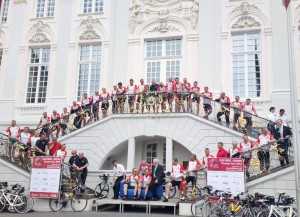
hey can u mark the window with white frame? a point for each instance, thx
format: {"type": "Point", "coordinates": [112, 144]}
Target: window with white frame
{"type": "Point", "coordinates": [92, 6]}
{"type": "Point", "coordinates": [151, 152]}
{"type": "Point", "coordinates": [163, 59]}
{"type": "Point", "coordinates": [89, 69]}
{"type": "Point", "coordinates": [246, 62]}
{"type": "Point", "coordinates": [38, 75]}
{"type": "Point", "coordinates": [4, 10]}
{"type": "Point", "coordinates": [45, 8]}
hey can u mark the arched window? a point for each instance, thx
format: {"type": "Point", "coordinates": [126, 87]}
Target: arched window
{"type": "Point", "coordinates": [246, 63]}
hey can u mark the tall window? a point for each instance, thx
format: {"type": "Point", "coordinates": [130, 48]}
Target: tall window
{"type": "Point", "coordinates": [246, 58]}
{"type": "Point", "coordinates": [151, 152]}
{"type": "Point", "coordinates": [4, 10]}
{"type": "Point", "coordinates": [89, 69]}
{"type": "Point", "coordinates": [38, 75]}
{"type": "Point", "coordinates": [92, 6]}
{"type": "Point", "coordinates": [45, 8]}
{"type": "Point", "coordinates": [163, 59]}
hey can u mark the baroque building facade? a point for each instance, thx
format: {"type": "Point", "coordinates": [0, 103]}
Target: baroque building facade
{"type": "Point", "coordinates": [52, 52]}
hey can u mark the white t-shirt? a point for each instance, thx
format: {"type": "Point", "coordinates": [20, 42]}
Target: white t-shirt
{"type": "Point", "coordinates": [25, 138]}
{"type": "Point", "coordinates": [176, 172]}
{"type": "Point", "coordinates": [273, 117]}
{"type": "Point", "coordinates": [264, 142]}
{"type": "Point", "coordinates": [119, 170]}
{"type": "Point", "coordinates": [14, 132]}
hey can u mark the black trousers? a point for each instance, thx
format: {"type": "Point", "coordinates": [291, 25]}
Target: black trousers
{"type": "Point", "coordinates": [264, 159]}
{"type": "Point", "coordinates": [283, 149]}
{"type": "Point", "coordinates": [116, 187]}
{"type": "Point", "coordinates": [226, 113]}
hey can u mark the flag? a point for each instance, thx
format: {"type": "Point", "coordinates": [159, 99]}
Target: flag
{"type": "Point", "coordinates": [286, 3]}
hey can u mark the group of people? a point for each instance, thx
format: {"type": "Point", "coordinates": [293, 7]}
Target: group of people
{"type": "Point", "coordinates": [30, 142]}
{"type": "Point", "coordinates": [172, 96]}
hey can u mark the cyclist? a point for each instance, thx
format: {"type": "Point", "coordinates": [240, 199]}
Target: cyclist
{"type": "Point", "coordinates": [80, 165]}
{"type": "Point", "coordinates": [131, 182]}
{"type": "Point", "coordinates": [176, 179]}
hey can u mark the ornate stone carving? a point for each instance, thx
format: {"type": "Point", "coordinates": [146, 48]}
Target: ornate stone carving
{"type": "Point", "coordinates": [40, 33]}
{"type": "Point", "coordinates": [89, 26]}
{"type": "Point", "coordinates": [163, 27]}
{"type": "Point", "coordinates": [245, 22]}
{"type": "Point", "coordinates": [142, 11]}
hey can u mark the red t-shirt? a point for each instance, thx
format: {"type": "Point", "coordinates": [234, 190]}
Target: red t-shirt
{"type": "Point", "coordinates": [222, 153]}
{"type": "Point", "coordinates": [55, 146]}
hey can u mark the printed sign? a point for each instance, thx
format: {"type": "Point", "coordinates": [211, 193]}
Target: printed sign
{"type": "Point", "coordinates": [45, 177]}
{"type": "Point", "coordinates": [226, 174]}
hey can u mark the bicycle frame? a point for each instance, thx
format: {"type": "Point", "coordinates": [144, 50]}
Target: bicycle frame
{"type": "Point", "coordinates": [278, 211]}
{"type": "Point", "coordinates": [8, 196]}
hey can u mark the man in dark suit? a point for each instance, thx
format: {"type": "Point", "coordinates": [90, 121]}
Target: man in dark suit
{"type": "Point", "coordinates": [158, 176]}
{"type": "Point", "coordinates": [282, 135]}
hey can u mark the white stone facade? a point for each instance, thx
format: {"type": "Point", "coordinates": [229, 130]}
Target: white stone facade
{"type": "Point", "coordinates": [205, 28]}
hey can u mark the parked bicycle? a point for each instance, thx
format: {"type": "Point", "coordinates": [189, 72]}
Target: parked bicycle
{"type": "Point", "coordinates": [72, 195]}
{"type": "Point", "coordinates": [14, 199]}
{"type": "Point", "coordinates": [102, 189]}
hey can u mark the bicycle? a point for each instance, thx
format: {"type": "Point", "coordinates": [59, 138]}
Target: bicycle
{"type": "Point", "coordinates": [282, 208]}
{"type": "Point", "coordinates": [103, 187]}
{"type": "Point", "coordinates": [78, 204]}
{"type": "Point", "coordinates": [13, 199]}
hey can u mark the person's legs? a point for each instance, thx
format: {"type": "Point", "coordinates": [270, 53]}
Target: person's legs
{"type": "Point", "coordinates": [267, 160]}
{"type": "Point", "coordinates": [227, 114]}
{"type": "Point", "coordinates": [260, 157]}
{"type": "Point", "coordinates": [125, 190]}
{"type": "Point", "coordinates": [219, 115]}
{"type": "Point", "coordinates": [116, 187]}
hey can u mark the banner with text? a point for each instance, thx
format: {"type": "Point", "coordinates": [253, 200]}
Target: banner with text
{"type": "Point", "coordinates": [226, 174]}
{"type": "Point", "coordinates": [45, 177]}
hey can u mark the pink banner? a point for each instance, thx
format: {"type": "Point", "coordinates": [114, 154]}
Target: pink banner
{"type": "Point", "coordinates": [225, 164]}
{"type": "Point", "coordinates": [46, 162]}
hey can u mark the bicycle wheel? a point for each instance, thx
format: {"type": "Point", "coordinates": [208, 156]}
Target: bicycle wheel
{"type": "Point", "coordinates": [2, 204]}
{"type": "Point", "coordinates": [198, 208]}
{"type": "Point", "coordinates": [21, 204]}
{"type": "Point", "coordinates": [56, 204]}
{"type": "Point", "coordinates": [78, 204]}
{"type": "Point", "coordinates": [102, 190]}
{"type": "Point", "coordinates": [263, 213]}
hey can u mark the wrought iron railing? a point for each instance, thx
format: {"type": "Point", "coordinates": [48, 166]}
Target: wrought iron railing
{"type": "Point", "coordinates": [261, 161]}
{"type": "Point", "coordinates": [161, 103]}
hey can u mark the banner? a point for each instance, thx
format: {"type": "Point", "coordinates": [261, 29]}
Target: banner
{"type": "Point", "coordinates": [226, 174]}
{"type": "Point", "coordinates": [45, 177]}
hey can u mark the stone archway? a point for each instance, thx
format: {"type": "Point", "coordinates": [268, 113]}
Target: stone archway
{"type": "Point", "coordinates": [146, 148]}
{"type": "Point", "coordinates": [194, 133]}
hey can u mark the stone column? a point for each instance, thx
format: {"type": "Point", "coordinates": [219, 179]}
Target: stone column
{"type": "Point", "coordinates": [131, 154]}
{"type": "Point", "coordinates": [169, 154]}
{"type": "Point", "coordinates": [280, 91]}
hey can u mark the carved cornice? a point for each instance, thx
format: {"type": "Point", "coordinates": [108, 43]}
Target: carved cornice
{"type": "Point", "coordinates": [163, 11]}
{"type": "Point", "coordinates": [245, 22]}
{"type": "Point", "coordinates": [40, 33]}
{"type": "Point", "coordinates": [89, 28]}
{"type": "Point", "coordinates": [163, 27]}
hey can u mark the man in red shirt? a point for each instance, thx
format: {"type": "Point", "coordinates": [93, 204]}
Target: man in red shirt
{"type": "Point", "coordinates": [54, 146]}
{"type": "Point", "coordinates": [222, 153]}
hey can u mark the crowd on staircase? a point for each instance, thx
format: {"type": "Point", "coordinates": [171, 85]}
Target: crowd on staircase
{"type": "Point", "coordinates": [174, 96]}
